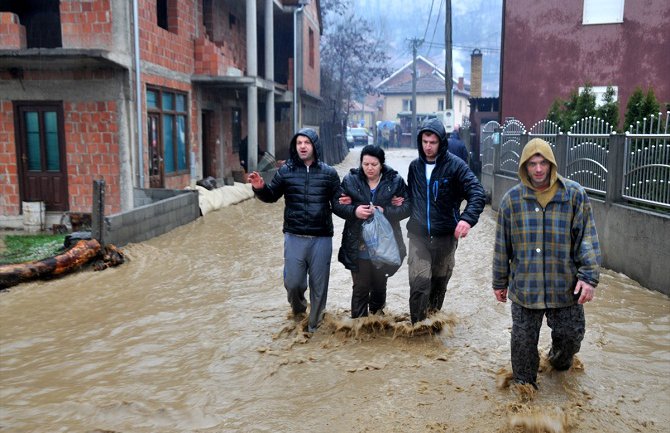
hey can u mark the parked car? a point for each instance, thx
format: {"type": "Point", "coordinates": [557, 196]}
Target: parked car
{"type": "Point", "coordinates": [350, 138]}
{"type": "Point", "coordinates": [361, 136]}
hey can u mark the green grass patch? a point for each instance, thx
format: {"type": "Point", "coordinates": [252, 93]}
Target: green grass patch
{"type": "Point", "coordinates": [26, 248]}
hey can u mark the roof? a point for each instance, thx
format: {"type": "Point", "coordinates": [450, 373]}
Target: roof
{"type": "Point", "coordinates": [431, 83]}
{"type": "Point", "coordinates": [408, 65]}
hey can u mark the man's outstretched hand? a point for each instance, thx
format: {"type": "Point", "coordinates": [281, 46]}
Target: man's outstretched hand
{"type": "Point", "coordinates": [256, 180]}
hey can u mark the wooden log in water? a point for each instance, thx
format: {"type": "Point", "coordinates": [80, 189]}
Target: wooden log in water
{"type": "Point", "coordinates": [81, 253]}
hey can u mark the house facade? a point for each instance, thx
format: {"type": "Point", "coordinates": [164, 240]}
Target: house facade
{"type": "Point", "coordinates": [147, 94]}
{"type": "Point", "coordinates": [430, 93]}
{"type": "Point", "coordinates": [551, 49]}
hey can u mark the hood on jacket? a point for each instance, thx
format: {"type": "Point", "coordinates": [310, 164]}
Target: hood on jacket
{"type": "Point", "coordinates": [537, 146]}
{"type": "Point", "coordinates": [436, 127]}
{"type": "Point", "coordinates": [313, 137]}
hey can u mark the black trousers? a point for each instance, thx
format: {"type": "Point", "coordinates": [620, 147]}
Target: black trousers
{"type": "Point", "coordinates": [369, 289]}
{"type": "Point", "coordinates": [430, 265]}
{"type": "Point", "coordinates": [568, 326]}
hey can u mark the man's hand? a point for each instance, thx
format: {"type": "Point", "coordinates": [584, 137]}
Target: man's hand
{"type": "Point", "coordinates": [462, 229]}
{"type": "Point", "coordinates": [344, 199]}
{"type": "Point", "coordinates": [397, 201]}
{"type": "Point", "coordinates": [256, 180]}
{"type": "Point", "coordinates": [501, 294]}
{"type": "Point", "coordinates": [587, 292]}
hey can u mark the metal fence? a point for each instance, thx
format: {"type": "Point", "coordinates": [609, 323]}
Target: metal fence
{"type": "Point", "coordinates": [646, 174]}
{"type": "Point", "coordinates": [633, 167]}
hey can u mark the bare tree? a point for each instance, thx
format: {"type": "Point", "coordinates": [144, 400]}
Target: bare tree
{"type": "Point", "coordinates": [352, 61]}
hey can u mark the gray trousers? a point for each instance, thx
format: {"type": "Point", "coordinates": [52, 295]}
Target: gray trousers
{"type": "Point", "coordinates": [307, 259]}
{"type": "Point", "coordinates": [430, 264]}
{"type": "Point", "coordinates": [568, 326]}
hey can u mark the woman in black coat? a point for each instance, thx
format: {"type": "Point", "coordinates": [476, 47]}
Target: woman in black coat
{"type": "Point", "coordinates": [376, 183]}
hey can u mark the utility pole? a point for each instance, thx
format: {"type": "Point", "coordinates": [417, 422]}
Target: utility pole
{"type": "Point", "coordinates": [448, 80]}
{"type": "Point", "coordinates": [415, 44]}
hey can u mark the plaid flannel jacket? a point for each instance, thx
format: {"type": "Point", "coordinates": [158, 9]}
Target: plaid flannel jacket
{"type": "Point", "coordinates": [541, 253]}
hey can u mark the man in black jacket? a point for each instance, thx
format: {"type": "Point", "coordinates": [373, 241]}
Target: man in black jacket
{"type": "Point", "coordinates": [438, 182]}
{"type": "Point", "coordinates": [309, 187]}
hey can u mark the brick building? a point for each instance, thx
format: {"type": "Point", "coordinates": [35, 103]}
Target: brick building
{"type": "Point", "coordinates": [206, 73]}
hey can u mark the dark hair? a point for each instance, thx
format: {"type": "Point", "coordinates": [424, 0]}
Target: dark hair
{"type": "Point", "coordinates": [374, 151]}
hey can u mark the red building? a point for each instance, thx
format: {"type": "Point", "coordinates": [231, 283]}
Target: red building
{"type": "Point", "coordinates": [146, 94]}
{"type": "Point", "coordinates": [551, 49]}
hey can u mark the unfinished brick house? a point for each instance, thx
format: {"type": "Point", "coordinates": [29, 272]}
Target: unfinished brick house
{"type": "Point", "coordinates": [206, 73]}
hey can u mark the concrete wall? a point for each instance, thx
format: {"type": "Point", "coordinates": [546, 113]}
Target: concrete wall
{"type": "Point", "coordinates": [636, 243]}
{"type": "Point", "coordinates": [633, 242]}
{"type": "Point", "coordinates": [157, 212]}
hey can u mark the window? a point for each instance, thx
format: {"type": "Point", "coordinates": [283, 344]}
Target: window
{"type": "Point", "coordinates": [166, 15]}
{"type": "Point", "coordinates": [440, 104]}
{"type": "Point", "coordinates": [406, 105]}
{"type": "Point", "coordinates": [170, 110]}
{"type": "Point", "coordinates": [603, 11]}
{"type": "Point", "coordinates": [311, 48]}
{"type": "Point", "coordinates": [599, 93]}
{"type": "Point", "coordinates": [41, 20]}
{"type": "Point", "coordinates": [162, 14]}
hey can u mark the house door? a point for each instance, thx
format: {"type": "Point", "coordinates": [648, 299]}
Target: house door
{"type": "Point", "coordinates": [155, 153]}
{"type": "Point", "coordinates": [41, 154]}
{"type": "Point", "coordinates": [209, 163]}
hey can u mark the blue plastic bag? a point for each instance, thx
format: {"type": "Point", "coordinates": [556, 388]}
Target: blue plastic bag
{"type": "Point", "coordinates": [380, 241]}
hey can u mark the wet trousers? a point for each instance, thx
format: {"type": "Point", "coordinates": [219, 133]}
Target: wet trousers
{"type": "Point", "coordinates": [567, 325]}
{"type": "Point", "coordinates": [430, 263]}
{"type": "Point", "coordinates": [369, 289]}
{"type": "Point", "coordinates": [307, 260]}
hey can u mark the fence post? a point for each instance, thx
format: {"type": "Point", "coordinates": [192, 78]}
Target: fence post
{"type": "Point", "coordinates": [496, 151]}
{"type": "Point", "coordinates": [615, 166]}
{"type": "Point", "coordinates": [98, 211]}
{"type": "Point", "coordinates": [561, 153]}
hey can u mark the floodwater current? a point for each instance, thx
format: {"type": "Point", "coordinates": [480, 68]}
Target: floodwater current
{"type": "Point", "coordinates": [193, 334]}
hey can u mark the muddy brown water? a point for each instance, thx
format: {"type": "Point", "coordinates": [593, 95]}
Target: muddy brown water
{"type": "Point", "coordinates": [192, 334]}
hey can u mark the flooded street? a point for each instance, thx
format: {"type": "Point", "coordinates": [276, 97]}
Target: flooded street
{"type": "Point", "coordinates": [192, 334]}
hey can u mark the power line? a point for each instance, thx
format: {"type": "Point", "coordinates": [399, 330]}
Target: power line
{"type": "Point", "coordinates": [430, 15]}
{"type": "Point", "coordinates": [463, 47]}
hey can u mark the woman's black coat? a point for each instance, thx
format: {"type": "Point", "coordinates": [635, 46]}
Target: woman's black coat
{"type": "Point", "coordinates": [355, 185]}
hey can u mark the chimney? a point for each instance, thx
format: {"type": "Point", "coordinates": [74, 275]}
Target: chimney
{"type": "Point", "coordinates": [461, 84]}
{"type": "Point", "coordinates": [476, 73]}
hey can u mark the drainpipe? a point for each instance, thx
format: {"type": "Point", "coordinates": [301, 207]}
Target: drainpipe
{"type": "Point", "coordinates": [138, 94]}
{"type": "Point", "coordinates": [295, 66]}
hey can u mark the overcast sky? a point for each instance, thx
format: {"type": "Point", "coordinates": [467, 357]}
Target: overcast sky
{"type": "Point", "coordinates": [476, 24]}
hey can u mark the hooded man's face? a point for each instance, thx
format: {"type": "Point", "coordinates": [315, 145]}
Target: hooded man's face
{"type": "Point", "coordinates": [431, 144]}
{"type": "Point", "coordinates": [539, 171]}
{"type": "Point", "coordinates": [305, 149]}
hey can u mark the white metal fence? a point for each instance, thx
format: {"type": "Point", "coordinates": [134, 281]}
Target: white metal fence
{"type": "Point", "coordinates": [633, 167]}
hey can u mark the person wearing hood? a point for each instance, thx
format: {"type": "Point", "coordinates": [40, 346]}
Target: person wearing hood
{"type": "Point", "coordinates": [457, 146]}
{"type": "Point", "coordinates": [372, 187]}
{"type": "Point", "coordinates": [438, 182]}
{"type": "Point", "coordinates": [546, 261]}
{"type": "Point", "coordinates": [309, 187]}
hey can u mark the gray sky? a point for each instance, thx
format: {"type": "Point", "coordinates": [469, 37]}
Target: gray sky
{"type": "Point", "coordinates": [476, 24]}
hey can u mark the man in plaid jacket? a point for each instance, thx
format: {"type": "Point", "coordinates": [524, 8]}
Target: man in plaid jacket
{"type": "Point", "coordinates": [545, 261]}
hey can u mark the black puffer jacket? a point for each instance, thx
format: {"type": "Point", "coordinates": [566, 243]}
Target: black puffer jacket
{"type": "Point", "coordinates": [308, 192]}
{"type": "Point", "coordinates": [355, 185]}
{"type": "Point", "coordinates": [435, 207]}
